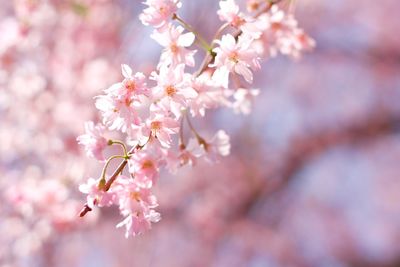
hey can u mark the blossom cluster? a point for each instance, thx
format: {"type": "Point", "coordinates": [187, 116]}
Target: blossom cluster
{"type": "Point", "coordinates": [49, 53]}
{"type": "Point", "coordinates": [150, 112]}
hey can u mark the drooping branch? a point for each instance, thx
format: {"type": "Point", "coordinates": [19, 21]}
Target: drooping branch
{"type": "Point", "coordinates": [307, 147]}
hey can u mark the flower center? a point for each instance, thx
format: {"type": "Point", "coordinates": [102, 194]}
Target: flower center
{"type": "Point", "coordinates": [174, 48]}
{"type": "Point", "coordinates": [163, 10]}
{"type": "Point", "coordinates": [135, 196]}
{"type": "Point", "coordinates": [130, 85]}
{"type": "Point", "coordinates": [276, 26]}
{"type": "Point", "coordinates": [155, 125]}
{"type": "Point", "coordinates": [253, 5]}
{"type": "Point", "coordinates": [234, 56]}
{"type": "Point", "coordinates": [147, 164]}
{"type": "Point", "coordinates": [128, 102]}
{"type": "Point", "coordinates": [237, 22]}
{"type": "Point", "coordinates": [170, 90]}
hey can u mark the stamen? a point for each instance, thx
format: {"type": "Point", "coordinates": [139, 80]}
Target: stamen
{"type": "Point", "coordinates": [170, 90]}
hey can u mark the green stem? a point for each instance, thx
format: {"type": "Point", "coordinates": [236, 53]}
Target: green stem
{"type": "Point", "coordinates": [202, 42]}
{"type": "Point", "coordinates": [122, 165]}
{"type": "Point", "coordinates": [198, 137]}
{"type": "Point", "coordinates": [219, 32]}
{"type": "Point", "coordinates": [103, 173]}
{"type": "Point", "coordinates": [118, 142]}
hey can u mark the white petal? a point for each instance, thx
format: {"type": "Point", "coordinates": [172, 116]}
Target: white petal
{"type": "Point", "coordinates": [126, 71]}
{"type": "Point", "coordinates": [186, 39]}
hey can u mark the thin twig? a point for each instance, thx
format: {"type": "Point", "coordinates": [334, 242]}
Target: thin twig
{"type": "Point", "coordinates": [114, 176]}
{"type": "Point", "coordinates": [204, 44]}
{"type": "Point", "coordinates": [118, 142]}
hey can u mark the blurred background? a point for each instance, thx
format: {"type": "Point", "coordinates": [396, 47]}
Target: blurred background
{"type": "Point", "coordinates": [313, 178]}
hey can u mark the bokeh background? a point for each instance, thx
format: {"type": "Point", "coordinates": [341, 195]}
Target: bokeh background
{"type": "Point", "coordinates": [313, 178]}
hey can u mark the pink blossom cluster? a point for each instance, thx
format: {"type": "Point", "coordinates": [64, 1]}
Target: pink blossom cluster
{"type": "Point", "coordinates": [49, 53]}
{"type": "Point", "coordinates": [151, 112]}
{"type": "Point", "coordinates": [280, 33]}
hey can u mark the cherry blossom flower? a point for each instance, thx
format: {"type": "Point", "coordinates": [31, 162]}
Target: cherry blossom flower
{"type": "Point", "coordinates": [131, 193]}
{"type": "Point", "coordinates": [208, 95]}
{"type": "Point", "coordinates": [175, 44]}
{"type": "Point", "coordinates": [254, 28]}
{"type": "Point", "coordinates": [161, 127]}
{"type": "Point", "coordinates": [144, 166]}
{"type": "Point", "coordinates": [229, 12]}
{"type": "Point", "coordinates": [295, 43]}
{"type": "Point", "coordinates": [281, 34]}
{"type": "Point", "coordinates": [173, 90]}
{"type": "Point", "coordinates": [159, 12]}
{"type": "Point", "coordinates": [122, 101]}
{"type": "Point", "coordinates": [236, 57]}
{"type": "Point", "coordinates": [243, 100]}
{"type": "Point", "coordinates": [188, 155]}
{"type": "Point", "coordinates": [191, 152]}
{"type": "Point", "coordinates": [137, 203]}
{"type": "Point", "coordinates": [219, 145]}
{"type": "Point", "coordinates": [97, 196]}
{"type": "Point", "coordinates": [93, 140]}
{"type": "Point", "coordinates": [131, 88]}
{"type": "Point", "coordinates": [119, 114]}
{"type": "Point", "coordinates": [139, 222]}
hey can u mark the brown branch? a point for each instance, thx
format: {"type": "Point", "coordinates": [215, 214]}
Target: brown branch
{"type": "Point", "coordinates": [115, 174]}
{"type": "Point", "coordinates": [305, 148]}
